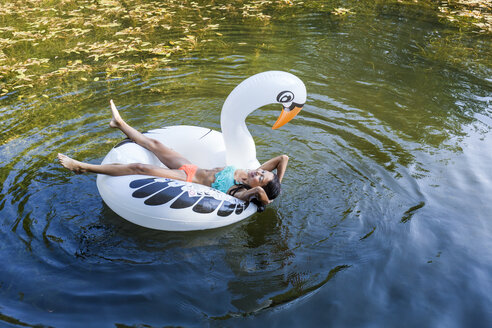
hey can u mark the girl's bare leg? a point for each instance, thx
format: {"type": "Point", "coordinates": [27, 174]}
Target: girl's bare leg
{"type": "Point", "coordinates": [120, 169]}
{"type": "Point", "coordinates": [166, 155]}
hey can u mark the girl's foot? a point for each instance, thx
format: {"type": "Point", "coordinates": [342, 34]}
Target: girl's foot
{"type": "Point", "coordinates": [116, 120]}
{"type": "Point", "coordinates": [71, 164]}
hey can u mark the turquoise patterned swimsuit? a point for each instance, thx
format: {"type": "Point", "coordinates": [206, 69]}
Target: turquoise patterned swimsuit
{"type": "Point", "coordinates": [224, 179]}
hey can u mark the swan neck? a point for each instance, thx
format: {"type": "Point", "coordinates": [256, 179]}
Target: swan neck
{"type": "Point", "coordinates": [239, 144]}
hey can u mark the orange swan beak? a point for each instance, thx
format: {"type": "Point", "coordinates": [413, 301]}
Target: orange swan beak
{"type": "Point", "coordinates": [287, 114]}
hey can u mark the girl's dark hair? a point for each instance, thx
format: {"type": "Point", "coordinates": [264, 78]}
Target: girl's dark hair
{"type": "Point", "coordinates": [272, 189]}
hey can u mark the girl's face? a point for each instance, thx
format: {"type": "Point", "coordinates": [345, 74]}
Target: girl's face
{"type": "Point", "coordinates": [259, 177]}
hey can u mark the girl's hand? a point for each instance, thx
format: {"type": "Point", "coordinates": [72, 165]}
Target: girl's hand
{"type": "Point", "coordinates": [256, 192]}
{"type": "Point", "coordinates": [261, 195]}
{"type": "Point", "coordinates": [279, 163]}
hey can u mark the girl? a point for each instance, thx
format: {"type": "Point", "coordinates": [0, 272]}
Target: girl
{"type": "Point", "coordinates": [261, 183]}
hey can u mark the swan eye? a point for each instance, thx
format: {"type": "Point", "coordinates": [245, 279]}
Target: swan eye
{"type": "Point", "coordinates": [285, 97]}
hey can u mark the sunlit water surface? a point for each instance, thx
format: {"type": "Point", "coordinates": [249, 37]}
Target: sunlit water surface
{"type": "Point", "coordinates": [384, 220]}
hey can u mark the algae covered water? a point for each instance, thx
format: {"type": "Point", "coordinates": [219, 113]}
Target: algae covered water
{"type": "Point", "coordinates": [385, 215]}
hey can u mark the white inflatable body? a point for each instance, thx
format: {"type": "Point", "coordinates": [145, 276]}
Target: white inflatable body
{"type": "Point", "coordinates": [167, 204]}
{"type": "Point", "coordinates": [172, 205]}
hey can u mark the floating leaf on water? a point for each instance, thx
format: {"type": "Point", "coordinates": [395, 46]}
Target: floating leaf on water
{"type": "Point", "coordinates": [86, 28]}
{"type": "Point", "coordinates": [96, 79]}
{"type": "Point", "coordinates": [114, 24]}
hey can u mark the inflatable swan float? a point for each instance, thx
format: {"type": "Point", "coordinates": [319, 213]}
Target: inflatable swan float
{"type": "Point", "coordinates": [166, 204]}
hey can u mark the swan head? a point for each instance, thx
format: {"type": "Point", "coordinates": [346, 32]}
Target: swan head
{"type": "Point", "coordinates": [290, 107]}
{"type": "Point", "coordinates": [279, 87]}
{"type": "Point", "coordinates": [257, 91]}
{"type": "Point", "coordinates": [263, 89]}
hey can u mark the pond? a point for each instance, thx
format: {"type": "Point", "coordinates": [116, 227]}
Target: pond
{"type": "Point", "coordinates": [385, 215]}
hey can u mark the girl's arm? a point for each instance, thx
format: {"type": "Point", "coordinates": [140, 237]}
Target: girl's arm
{"type": "Point", "coordinates": [279, 163]}
{"type": "Point", "coordinates": [256, 192]}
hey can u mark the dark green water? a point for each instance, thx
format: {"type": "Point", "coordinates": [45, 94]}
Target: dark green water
{"type": "Point", "coordinates": [385, 217]}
